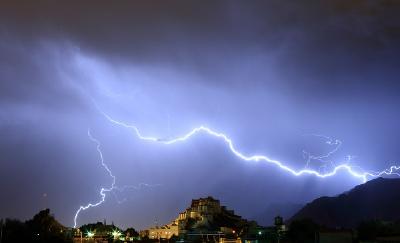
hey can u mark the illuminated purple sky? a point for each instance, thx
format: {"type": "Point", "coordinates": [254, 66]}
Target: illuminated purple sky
{"type": "Point", "coordinates": [268, 74]}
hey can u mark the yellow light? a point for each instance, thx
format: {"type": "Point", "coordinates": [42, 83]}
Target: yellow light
{"type": "Point", "coordinates": [116, 233]}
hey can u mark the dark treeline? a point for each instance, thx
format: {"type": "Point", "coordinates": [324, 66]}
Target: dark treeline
{"type": "Point", "coordinates": [44, 228]}
{"type": "Point", "coordinates": [106, 231]}
{"type": "Point", "coordinates": [41, 228]}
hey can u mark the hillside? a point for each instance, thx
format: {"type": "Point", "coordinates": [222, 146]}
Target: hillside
{"type": "Point", "coordinates": [285, 210]}
{"type": "Point", "coordinates": [376, 199]}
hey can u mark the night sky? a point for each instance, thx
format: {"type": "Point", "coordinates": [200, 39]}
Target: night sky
{"type": "Point", "coordinates": [270, 74]}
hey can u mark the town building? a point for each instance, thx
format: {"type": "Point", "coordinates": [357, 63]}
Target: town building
{"type": "Point", "coordinates": [205, 216]}
{"type": "Point", "coordinates": [164, 232]}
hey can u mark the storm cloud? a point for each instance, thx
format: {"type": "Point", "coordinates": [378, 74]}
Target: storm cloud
{"type": "Point", "coordinates": [268, 73]}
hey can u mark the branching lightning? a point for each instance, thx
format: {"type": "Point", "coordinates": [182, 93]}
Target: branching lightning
{"type": "Point", "coordinates": [354, 171]}
{"type": "Point", "coordinates": [363, 175]}
{"type": "Point", "coordinates": [325, 157]}
{"type": "Point", "coordinates": [102, 190]}
{"type": "Point", "coordinates": [131, 187]}
{"type": "Point", "coordinates": [112, 188]}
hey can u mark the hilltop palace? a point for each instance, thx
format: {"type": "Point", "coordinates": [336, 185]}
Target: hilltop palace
{"type": "Point", "coordinates": [204, 216]}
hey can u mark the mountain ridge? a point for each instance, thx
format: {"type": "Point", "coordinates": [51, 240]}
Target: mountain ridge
{"type": "Point", "coordinates": [376, 199]}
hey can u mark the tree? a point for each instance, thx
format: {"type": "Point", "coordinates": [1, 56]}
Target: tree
{"type": "Point", "coordinates": [131, 232]}
{"type": "Point", "coordinates": [44, 228]}
{"type": "Point", "coordinates": [15, 231]}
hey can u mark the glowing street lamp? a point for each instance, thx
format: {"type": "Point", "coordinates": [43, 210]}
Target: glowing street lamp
{"type": "Point", "coordinates": [116, 234]}
{"type": "Point", "coordinates": [90, 234]}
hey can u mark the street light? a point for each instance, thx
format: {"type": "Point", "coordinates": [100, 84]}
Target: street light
{"type": "Point", "coordinates": [116, 234]}
{"type": "Point", "coordinates": [90, 234]}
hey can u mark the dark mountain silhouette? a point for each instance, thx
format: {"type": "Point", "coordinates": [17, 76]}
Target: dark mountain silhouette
{"type": "Point", "coordinates": [377, 199]}
{"type": "Point", "coordinates": [285, 210]}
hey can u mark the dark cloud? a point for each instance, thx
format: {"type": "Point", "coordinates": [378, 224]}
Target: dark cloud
{"type": "Point", "coordinates": [265, 72]}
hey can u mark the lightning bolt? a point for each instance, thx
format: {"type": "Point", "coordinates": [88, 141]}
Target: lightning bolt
{"type": "Point", "coordinates": [363, 175]}
{"type": "Point", "coordinates": [131, 187]}
{"type": "Point", "coordinates": [113, 187]}
{"type": "Point", "coordinates": [323, 158]}
{"type": "Point", "coordinates": [102, 190]}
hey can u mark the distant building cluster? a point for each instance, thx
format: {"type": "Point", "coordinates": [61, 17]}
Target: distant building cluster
{"type": "Point", "coordinates": [201, 208]}
{"type": "Point", "coordinates": [205, 218]}
{"type": "Point", "coordinates": [164, 232]}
